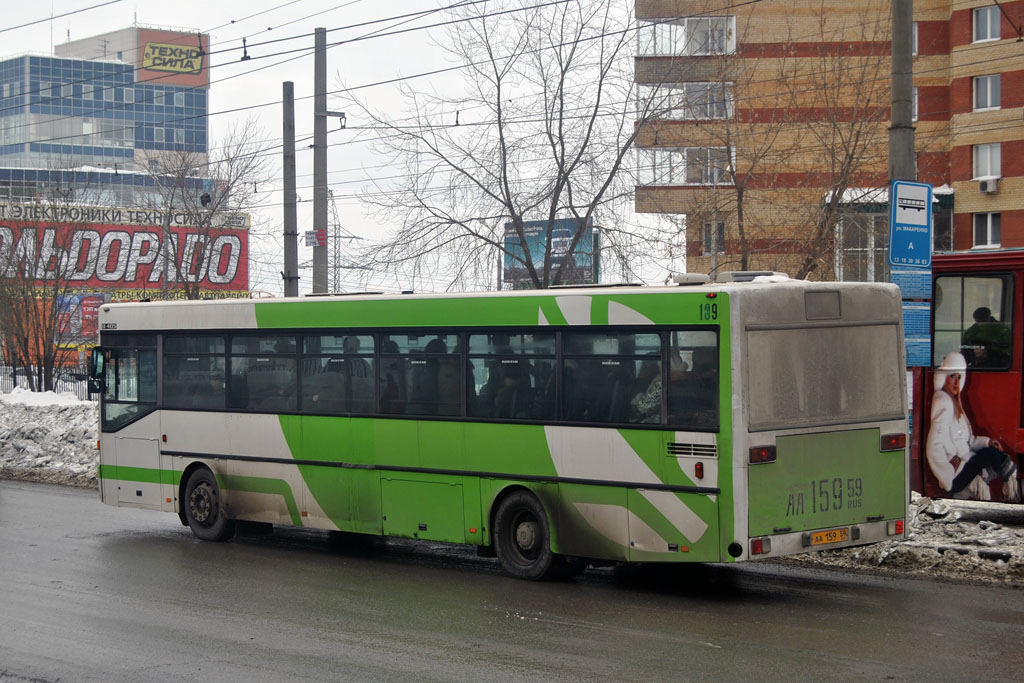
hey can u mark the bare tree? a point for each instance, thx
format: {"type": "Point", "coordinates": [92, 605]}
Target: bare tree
{"type": "Point", "coordinates": [207, 193]}
{"type": "Point", "coordinates": [541, 133]}
{"type": "Point", "coordinates": [850, 89]}
{"type": "Point", "coordinates": [39, 283]}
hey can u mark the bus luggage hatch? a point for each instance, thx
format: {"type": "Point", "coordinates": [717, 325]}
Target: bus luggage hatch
{"type": "Point", "coordinates": [138, 472]}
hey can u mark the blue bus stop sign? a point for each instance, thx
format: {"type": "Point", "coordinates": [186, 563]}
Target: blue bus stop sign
{"type": "Point", "coordinates": [910, 224]}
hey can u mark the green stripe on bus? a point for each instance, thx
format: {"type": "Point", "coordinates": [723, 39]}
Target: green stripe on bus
{"type": "Point", "coordinates": [143, 475]}
{"type": "Point", "coordinates": [148, 475]}
{"type": "Point", "coordinates": [273, 487]}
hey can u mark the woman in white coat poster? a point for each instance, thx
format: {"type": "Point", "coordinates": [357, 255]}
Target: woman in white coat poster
{"type": "Point", "coordinates": [956, 456]}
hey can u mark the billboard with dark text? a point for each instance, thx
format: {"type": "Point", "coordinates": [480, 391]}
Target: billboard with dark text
{"type": "Point", "coordinates": [174, 58]}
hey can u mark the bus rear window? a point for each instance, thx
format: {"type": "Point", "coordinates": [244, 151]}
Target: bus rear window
{"type": "Point", "coordinates": [812, 376]}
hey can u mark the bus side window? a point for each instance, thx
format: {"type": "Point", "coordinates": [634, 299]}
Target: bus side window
{"type": "Point", "coordinates": [693, 386]}
{"type": "Point", "coordinates": [194, 372]}
{"type": "Point", "coordinates": [512, 375]}
{"type": "Point", "coordinates": [600, 383]}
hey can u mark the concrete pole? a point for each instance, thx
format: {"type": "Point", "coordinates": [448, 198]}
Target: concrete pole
{"type": "Point", "coordinates": [291, 230]}
{"type": "Point", "coordinates": [901, 132]}
{"type": "Point", "coordinates": [320, 160]}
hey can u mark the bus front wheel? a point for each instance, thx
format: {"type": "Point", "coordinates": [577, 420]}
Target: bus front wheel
{"type": "Point", "coordinates": [521, 538]}
{"type": "Point", "coordinates": [203, 509]}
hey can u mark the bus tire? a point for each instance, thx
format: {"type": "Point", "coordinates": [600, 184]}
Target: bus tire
{"type": "Point", "coordinates": [203, 508]}
{"type": "Point", "coordinates": [522, 540]}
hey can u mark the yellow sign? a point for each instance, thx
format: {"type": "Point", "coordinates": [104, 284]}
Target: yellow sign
{"type": "Point", "coordinates": [180, 59]}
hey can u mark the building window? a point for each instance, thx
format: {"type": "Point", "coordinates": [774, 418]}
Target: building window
{"type": "Point", "coordinates": [686, 101]}
{"type": "Point", "coordinates": [706, 165]}
{"type": "Point", "coordinates": [67, 90]}
{"type": "Point", "coordinates": [683, 166]}
{"type": "Point", "coordinates": [913, 44]}
{"type": "Point", "coordinates": [913, 104]}
{"type": "Point", "coordinates": [717, 235]}
{"type": "Point", "coordinates": [129, 95]}
{"type": "Point", "coordinates": [986, 92]}
{"type": "Point", "coordinates": [862, 241]}
{"type": "Point", "coordinates": [986, 23]}
{"type": "Point", "coordinates": [689, 36]}
{"type": "Point", "coordinates": [987, 162]}
{"type": "Point", "coordinates": [179, 99]}
{"type": "Point", "coordinates": [108, 94]}
{"type": "Point", "coordinates": [87, 91]}
{"type": "Point", "coordinates": [986, 230]}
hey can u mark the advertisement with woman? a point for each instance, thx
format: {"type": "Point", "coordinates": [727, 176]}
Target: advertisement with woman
{"type": "Point", "coordinates": [965, 464]}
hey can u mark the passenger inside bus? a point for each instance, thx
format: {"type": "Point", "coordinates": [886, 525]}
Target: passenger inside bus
{"type": "Point", "coordinates": [392, 391]}
{"type": "Point", "coordinates": [986, 343]}
{"type": "Point", "coordinates": [645, 406]}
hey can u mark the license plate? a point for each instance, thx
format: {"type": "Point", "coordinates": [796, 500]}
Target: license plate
{"type": "Point", "coordinates": [830, 536]}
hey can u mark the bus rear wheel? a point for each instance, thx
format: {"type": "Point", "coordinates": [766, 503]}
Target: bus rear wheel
{"type": "Point", "coordinates": [203, 509]}
{"type": "Point", "coordinates": [522, 540]}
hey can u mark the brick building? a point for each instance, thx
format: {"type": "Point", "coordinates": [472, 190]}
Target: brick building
{"type": "Point", "coordinates": [763, 129]}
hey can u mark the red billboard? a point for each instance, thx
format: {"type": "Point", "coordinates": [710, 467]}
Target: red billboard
{"type": "Point", "coordinates": [125, 253]}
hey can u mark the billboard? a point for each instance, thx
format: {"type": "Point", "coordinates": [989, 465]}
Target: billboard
{"type": "Point", "coordinates": [582, 267]}
{"type": "Point", "coordinates": [174, 58]}
{"type": "Point", "coordinates": [120, 253]}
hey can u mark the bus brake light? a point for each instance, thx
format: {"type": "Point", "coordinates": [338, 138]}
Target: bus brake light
{"type": "Point", "coordinates": [894, 442]}
{"type": "Point", "coordinates": [698, 470]}
{"type": "Point", "coordinates": [760, 546]}
{"type": "Point", "coordinates": [759, 454]}
{"type": "Point", "coordinates": [895, 527]}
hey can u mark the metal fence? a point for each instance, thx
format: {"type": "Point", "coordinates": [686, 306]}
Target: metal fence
{"type": "Point", "coordinates": [70, 380]}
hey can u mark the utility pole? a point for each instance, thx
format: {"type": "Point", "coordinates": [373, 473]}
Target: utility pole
{"type": "Point", "coordinates": [901, 132]}
{"type": "Point", "coordinates": [291, 230]}
{"type": "Point", "coordinates": [320, 160]}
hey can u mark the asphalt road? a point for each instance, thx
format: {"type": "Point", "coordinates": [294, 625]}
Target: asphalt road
{"type": "Point", "coordinates": [95, 593]}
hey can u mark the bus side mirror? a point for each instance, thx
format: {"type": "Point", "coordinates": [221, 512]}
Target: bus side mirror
{"type": "Point", "coordinates": [95, 383]}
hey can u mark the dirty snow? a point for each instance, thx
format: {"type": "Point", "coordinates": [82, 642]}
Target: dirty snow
{"type": "Point", "coordinates": [51, 438]}
{"type": "Point", "coordinates": [48, 437]}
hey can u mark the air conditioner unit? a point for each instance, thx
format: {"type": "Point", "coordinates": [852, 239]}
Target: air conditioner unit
{"type": "Point", "coordinates": [989, 185]}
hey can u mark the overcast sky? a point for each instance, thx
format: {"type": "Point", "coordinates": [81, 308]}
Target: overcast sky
{"type": "Point", "coordinates": [236, 84]}
{"type": "Point", "coordinates": [242, 89]}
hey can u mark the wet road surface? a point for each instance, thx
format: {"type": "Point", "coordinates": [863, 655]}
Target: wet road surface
{"type": "Point", "coordinates": [96, 593]}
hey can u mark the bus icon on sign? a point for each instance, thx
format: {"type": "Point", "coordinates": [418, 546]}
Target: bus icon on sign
{"type": "Point", "coordinates": [911, 204]}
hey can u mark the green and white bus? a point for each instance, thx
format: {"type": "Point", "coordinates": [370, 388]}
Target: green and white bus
{"type": "Point", "coordinates": [553, 428]}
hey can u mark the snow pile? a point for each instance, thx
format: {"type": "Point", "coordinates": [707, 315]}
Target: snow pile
{"type": "Point", "coordinates": [954, 540]}
{"type": "Point", "coordinates": [25, 397]}
{"type": "Point", "coordinates": [48, 437]}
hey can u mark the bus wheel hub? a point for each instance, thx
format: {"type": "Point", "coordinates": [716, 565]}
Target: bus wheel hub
{"type": "Point", "coordinates": [526, 535]}
{"type": "Point", "coordinates": [201, 504]}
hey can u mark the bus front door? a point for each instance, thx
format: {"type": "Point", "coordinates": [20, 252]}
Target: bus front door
{"type": "Point", "coordinates": [138, 472]}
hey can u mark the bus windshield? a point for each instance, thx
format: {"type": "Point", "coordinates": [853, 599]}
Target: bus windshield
{"type": "Point", "coordinates": [812, 376]}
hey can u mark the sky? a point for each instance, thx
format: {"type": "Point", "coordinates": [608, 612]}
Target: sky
{"type": "Point", "coordinates": [254, 87]}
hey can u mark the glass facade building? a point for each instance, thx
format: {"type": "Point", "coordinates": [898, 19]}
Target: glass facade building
{"type": "Point", "coordinates": [61, 112]}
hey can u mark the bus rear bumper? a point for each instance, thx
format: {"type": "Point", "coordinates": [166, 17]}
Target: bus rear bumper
{"type": "Point", "coordinates": [830, 538]}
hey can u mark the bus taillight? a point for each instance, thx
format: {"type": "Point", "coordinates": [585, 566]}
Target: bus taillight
{"type": "Point", "coordinates": [894, 442]}
{"type": "Point", "coordinates": [760, 546]}
{"type": "Point", "coordinates": [759, 454]}
{"type": "Point", "coordinates": [894, 527]}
